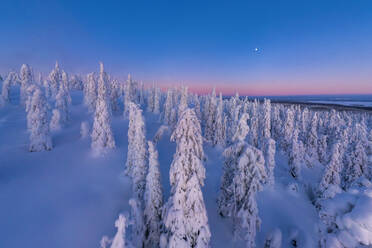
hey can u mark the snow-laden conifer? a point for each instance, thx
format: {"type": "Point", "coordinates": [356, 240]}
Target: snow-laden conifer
{"type": "Point", "coordinates": [137, 222]}
{"type": "Point", "coordinates": [55, 122]}
{"type": "Point", "coordinates": [84, 129]}
{"type": "Point", "coordinates": [294, 160]}
{"type": "Point", "coordinates": [114, 95]}
{"type": "Point", "coordinates": [90, 92]}
{"type": "Point", "coordinates": [183, 101]}
{"type": "Point", "coordinates": [119, 239]}
{"type": "Point", "coordinates": [63, 100]}
{"type": "Point", "coordinates": [153, 200]}
{"type": "Point", "coordinates": [331, 180]}
{"type": "Point", "coordinates": [185, 216]}
{"type": "Point", "coordinates": [312, 141]}
{"type": "Point", "coordinates": [168, 108]}
{"type": "Point", "coordinates": [136, 164]}
{"type": "Point", "coordinates": [26, 79]}
{"type": "Point", "coordinates": [288, 129]}
{"type": "Point", "coordinates": [55, 78]}
{"type": "Point", "coordinates": [37, 119]}
{"type": "Point", "coordinates": [102, 136]}
{"type": "Point", "coordinates": [210, 126]}
{"type": "Point", "coordinates": [269, 151]}
{"type": "Point", "coordinates": [219, 138]}
{"type": "Point", "coordinates": [10, 80]}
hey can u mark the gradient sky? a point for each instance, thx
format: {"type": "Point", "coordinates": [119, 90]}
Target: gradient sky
{"type": "Point", "coordinates": [305, 47]}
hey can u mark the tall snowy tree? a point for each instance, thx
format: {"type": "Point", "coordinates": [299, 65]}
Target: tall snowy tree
{"type": "Point", "coordinates": [153, 200]}
{"type": "Point", "coordinates": [184, 215]}
{"type": "Point", "coordinates": [63, 100]}
{"type": "Point", "coordinates": [26, 79]}
{"type": "Point", "coordinates": [269, 154]}
{"type": "Point", "coordinates": [55, 78]}
{"type": "Point", "coordinates": [312, 141]}
{"type": "Point", "coordinates": [37, 119]}
{"type": "Point", "coordinates": [183, 101]}
{"type": "Point", "coordinates": [137, 222]}
{"type": "Point", "coordinates": [168, 106]}
{"type": "Point", "coordinates": [114, 95]}
{"type": "Point", "coordinates": [288, 129]}
{"type": "Point", "coordinates": [210, 127]}
{"type": "Point", "coordinates": [136, 162]}
{"type": "Point", "coordinates": [90, 92]}
{"type": "Point", "coordinates": [10, 80]}
{"type": "Point", "coordinates": [102, 136]}
{"type": "Point", "coordinates": [331, 180]}
{"type": "Point", "coordinates": [219, 137]}
{"type": "Point", "coordinates": [294, 160]}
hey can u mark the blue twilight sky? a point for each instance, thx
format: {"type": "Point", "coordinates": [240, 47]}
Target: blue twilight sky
{"type": "Point", "coordinates": [304, 47]}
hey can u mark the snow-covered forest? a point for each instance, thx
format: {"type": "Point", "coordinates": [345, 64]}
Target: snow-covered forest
{"type": "Point", "coordinates": [94, 161]}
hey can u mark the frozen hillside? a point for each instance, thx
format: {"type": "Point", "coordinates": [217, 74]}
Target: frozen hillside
{"type": "Point", "coordinates": [181, 170]}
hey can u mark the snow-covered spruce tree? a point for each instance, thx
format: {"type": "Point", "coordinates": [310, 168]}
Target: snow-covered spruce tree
{"type": "Point", "coordinates": [276, 123]}
{"type": "Point", "coordinates": [46, 85]}
{"type": "Point", "coordinates": [137, 222]}
{"type": "Point", "coordinates": [288, 128]}
{"type": "Point", "coordinates": [197, 107]}
{"type": "Point", "coordinates": [168, 107]}
{"type": "Point", "coordinates": [37, 119]}
{"type": "Point", "coordinates": [183, 101]}
{"type": "Point", "coordinates": [294, 160]}
{"type": "Point", "coordinates": [102, 136]}
{"type": "Point", "coordinates": [184, 215]}
{"type": "Point", "coordinates": [114, 95]}
{"type": "Point", "coordinates": [357, 165]}
{"type": "Point", "coordinates": [157, 95]}
{"type": "Point", "coordinates": [312, 141]}
{"type": "Point", "coordinates": [55, 122]}
{"type": "Point", "coordinates": [63, 100]}
{"type": "Point", "coordinates": [231, 155]}
{"type": "Point", "coordinates": [219, 138]}
{"type": "Point", "coordinates": [84, 129]}
{"type": "Point", "coordinates": [269, 151]}
{"type": "Point", "coordinates": [119, 239]}
{"type": "Point", "coordinates": [128, 95]}
{"type": "Point", "coordinates": [136, 164]}
{"type": "Point", "coordinates": [266, 122]}
{"type": "Point", "coordinates": [254, 125]}
{"type": "Point", "coordinates": [76, 83]}
{"type": "Point", "coordinates": [249, 177]}
{"type": "Point", "coordinates": [10, 80]}
{"type": "Point", "coordinates": [323, 149]}
{"type": "Point", "coordinates": [26, 79]}
{"type": "Point", "coordinates": [55, 78]}
{"type": "Point", "coordinates": [210, 127]}
{"type": "Point", "coordinates": [90, 92]}
{"type": "Point", "coordinates": [331, 180]}
{"type": "Point", "coordinates": [151, 99]}
{"type": "Point", "coordinates": [153, 200]}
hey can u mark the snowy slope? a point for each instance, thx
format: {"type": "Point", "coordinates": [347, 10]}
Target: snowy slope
{"type": "Point", "coordinates": [69, 198]}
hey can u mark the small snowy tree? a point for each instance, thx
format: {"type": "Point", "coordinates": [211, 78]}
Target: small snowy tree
{"type": "Point", "coordinates": [288, 129]}
{"type": "Point", "coordinates": [90, 92]}
{"type": "Point", "coordinates": [249, 177]}
{"type": "Point", "coordinates": [168, 108]}
{"type": "Point", "coordinates": [269, 154]}
{"type": "Point", "coordinates": [84, 129]}
{"type": "Point", "coordinates": [219, 137]}
{"type": "Point", "coordinates": [55, 78]}
{"type": "Point", "coordinates": [9, 81]}
{"type": "Point", "coordinates": [210, 126]}
{"type": "Point", "coordinates": [312, 141]}
{"type": "Point", "coordinates": [26, 79]}
{"type": "Point", "coordinates": [183, 101]}
{"type": "Point", "coordinates": [55, 122]}
{"type": "Point", "coordinates": [114, 95]}
{"type": "Point", "coordinates": [63, 99]}
{"type": "Point", "coordinates": [137, 222]}
{"type": "Point", "coordinates": [294, 160]}
{"type": "Point", "coordinates": [119, 239]}
{"type": "Point", "coordinates": [266, 125]}
{"type": "Point", "coordinates": [102, 136]}
{"type": "Point", "coordinates": [37, 117]}
{"type": "Point", "coordinates": [185, 216]}
{"type": "Point", "coordinates": [153, 200]}
{"type": "Point", "coordinates": [331, 180]}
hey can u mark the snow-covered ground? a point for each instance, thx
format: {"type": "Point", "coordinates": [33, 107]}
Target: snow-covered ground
{"type": "Point", "coordinates": [68, 197]}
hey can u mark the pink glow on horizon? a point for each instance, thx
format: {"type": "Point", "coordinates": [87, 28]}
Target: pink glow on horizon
{"type": "Point", "coordinates": [278, 89]}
